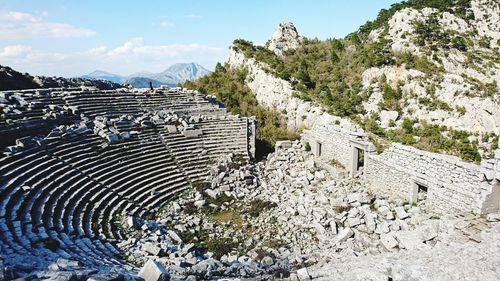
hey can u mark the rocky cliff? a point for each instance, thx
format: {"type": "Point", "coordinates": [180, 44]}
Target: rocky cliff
{"type": "Point", "coordinates": [465, 53]}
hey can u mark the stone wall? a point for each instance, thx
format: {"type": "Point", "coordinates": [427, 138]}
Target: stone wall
{"type": "Point", "coordinates": [337, 143]}
{"type": "Point", "coordinates": [452, 185]}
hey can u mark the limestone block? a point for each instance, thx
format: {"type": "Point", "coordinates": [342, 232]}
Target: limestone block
{"type": "Point", "coordinates": [153, 271]}
{"type": "Point", "coordinates": [303, 274]}
{"type": "Point", "coordinates": [409, 240]}
{"type": "Point", "coordinates": [151, 249]}
{"type": "Point", "coordinates": [344, 234]}
{"type": "Point", "coordinates": [192, 133]}
{"type": "Point", "coordinates": [388, 241]}
{"type": "Point", "coordinates": [401, 213]}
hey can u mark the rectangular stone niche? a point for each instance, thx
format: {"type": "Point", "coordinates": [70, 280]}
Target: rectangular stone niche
{"type": "Point", "coordinates": [419, 192]}
{"type": "Point", "coordinates": [319, 147]}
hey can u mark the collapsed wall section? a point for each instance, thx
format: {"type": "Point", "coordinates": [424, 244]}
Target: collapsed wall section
{"type": "Point", "coordinates": [329, 141]}
{"type": "Point", "coordinates": [449, 184]}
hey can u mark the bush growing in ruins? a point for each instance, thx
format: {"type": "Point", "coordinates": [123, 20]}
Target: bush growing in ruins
{"type": "Point", "coordinates": [258, 205]}
{"type": "Point", "coordinates": [201, 186]}
{"type": "Point", "coordinates": [220, 246]}
{"type": "Point", "coordinates": [307, 147]}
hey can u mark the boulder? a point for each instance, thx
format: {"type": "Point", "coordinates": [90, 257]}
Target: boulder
{"type": "Point", "coordinates": [409, 240]}
{"type": "Point", "coordinates": [174, 236]}
{"type": "Point", "coordinates": [153, 271]}
{"type": "Point", "coordinates": [303, 274]}
{"type": "Point", "coordinates": [268, 261]}
{"type": "Point", "coordinates": [152, 249]}
{"type": "Point", "coordinates": [401, 213]}
{"type": "Point", "coordinates": [388, 241]}
{"type": "Point", "coordinates": [344, 234]}
{"type": "Point", "coordinates": [388, 117]}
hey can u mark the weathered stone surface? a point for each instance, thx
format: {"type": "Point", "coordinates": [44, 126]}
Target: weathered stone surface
{"type": "Point", "coordinates": [409, 240]}
{"type": "Point", "coordinates": [153, 271]}
{"type": "Point", "coordinates": [344, 234]}
{"type": "Point", "coordinates": [388, 241]}
{"type": "Point", "coordinates": [303, 274]}
{"type": "Point", "coordinates": [285, 37]}
{"type": "Point", "coordinates": [151, 249]}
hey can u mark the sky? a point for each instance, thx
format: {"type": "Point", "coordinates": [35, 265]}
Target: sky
{"type": "Point", "coordinates": [73, 38]}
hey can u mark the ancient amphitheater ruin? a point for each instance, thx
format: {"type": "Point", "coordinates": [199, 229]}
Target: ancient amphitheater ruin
{"type": "Point", "coordinates": [96, 185]}
{"type": "Point", "coordinates": [113, 152]}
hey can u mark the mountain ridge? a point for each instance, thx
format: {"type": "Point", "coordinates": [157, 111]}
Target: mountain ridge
{"type": "Point", "coordinates": [172, 76]}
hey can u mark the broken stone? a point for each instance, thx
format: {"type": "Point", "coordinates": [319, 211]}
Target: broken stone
{"type": "Point", "coordinates": [153, 271]}
{"type": "Point", "coordinates": [388, 241]}
{"type": "Point", "coordinates": [151, 249]}
{"type": "Point", "coordinates": [401, 213]}
{"type": "Point", "coordinates": [344, 234]}
{"type": "Point", "coordinates": [303, 274]}
{"type": "Point", "coordinates": [493, 217]}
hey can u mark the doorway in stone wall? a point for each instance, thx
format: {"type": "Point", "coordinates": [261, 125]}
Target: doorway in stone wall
{"type": "Point", "coordinates": [319, 148]}
{"type": "Point", "coordinates": [421, 192]}
{"type": "Point", "coordinates": [359, 159]}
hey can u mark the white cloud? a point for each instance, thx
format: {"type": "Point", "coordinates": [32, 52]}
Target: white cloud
{"type": "Point", "coordinates": [17, 25]}
{"type": "Point", "coordinates": [167, 24]}
{"type": "Point", "coordinates": [132, 56]}
{"type": "Point", "coordinates": [15, 51]}
{"type": "Point", "coordinates": [192, 16]}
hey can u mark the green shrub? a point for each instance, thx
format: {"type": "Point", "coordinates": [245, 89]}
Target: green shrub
{"type": "Point", "coordinates": [259, 205]}
{"type": "Point", "coordinates": [220, 246]}
{"type": "Point", "coordinates": [201, 186]}
{"type": "Point", "coordinates": [307, 147]}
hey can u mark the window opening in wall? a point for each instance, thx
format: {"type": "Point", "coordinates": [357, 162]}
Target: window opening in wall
{"type": "Point", "coordinates": [421, 192]}
{"type": "Point", "coordinates": [361, 159]}
{"type": "Point", "coordinates": [318, 149]}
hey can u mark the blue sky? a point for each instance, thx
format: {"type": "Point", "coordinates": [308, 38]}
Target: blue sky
{"type": "Point", "coordinates": [71, 38]}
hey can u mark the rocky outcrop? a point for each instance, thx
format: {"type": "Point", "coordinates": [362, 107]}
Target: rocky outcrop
{"type": "Point", "coordinates": [278, 94]}
{"type": "Point", "coordinates": [284, 38]}
{"type": "Point", "coordinates": [13, 80]}
{"type": "Point", "coordinates": [461, 84]}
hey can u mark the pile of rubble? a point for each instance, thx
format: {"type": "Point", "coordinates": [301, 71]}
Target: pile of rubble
{"type": "Point", "coordinates": [66, 269]}
{"type": "Point", "coordinates": [277, 216]}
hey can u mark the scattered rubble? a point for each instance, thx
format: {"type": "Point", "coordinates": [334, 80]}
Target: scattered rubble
{"type": "Point", "coordinates": [278, 217]}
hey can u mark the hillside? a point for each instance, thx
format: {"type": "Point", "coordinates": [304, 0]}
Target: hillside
{"type": "Point", "coordinates": [423, 73]}
{"type": "Point", "coordinates": [14, 80]}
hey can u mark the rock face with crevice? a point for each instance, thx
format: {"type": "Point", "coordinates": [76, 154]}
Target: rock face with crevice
{"type": "Point", "coordinates": [284, 38]}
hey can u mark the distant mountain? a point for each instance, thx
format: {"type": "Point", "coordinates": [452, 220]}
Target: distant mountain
{"type": "Point", "coordinates": [183, 72]}
{"type": "Point", "coordinates": [14, 80]}
{"type": "Point", "coordinates": [176, 74]}
{"type": "Point", "coordinates": [103, 75]}
{"type": "Point", "coordinates": [143, 82]}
